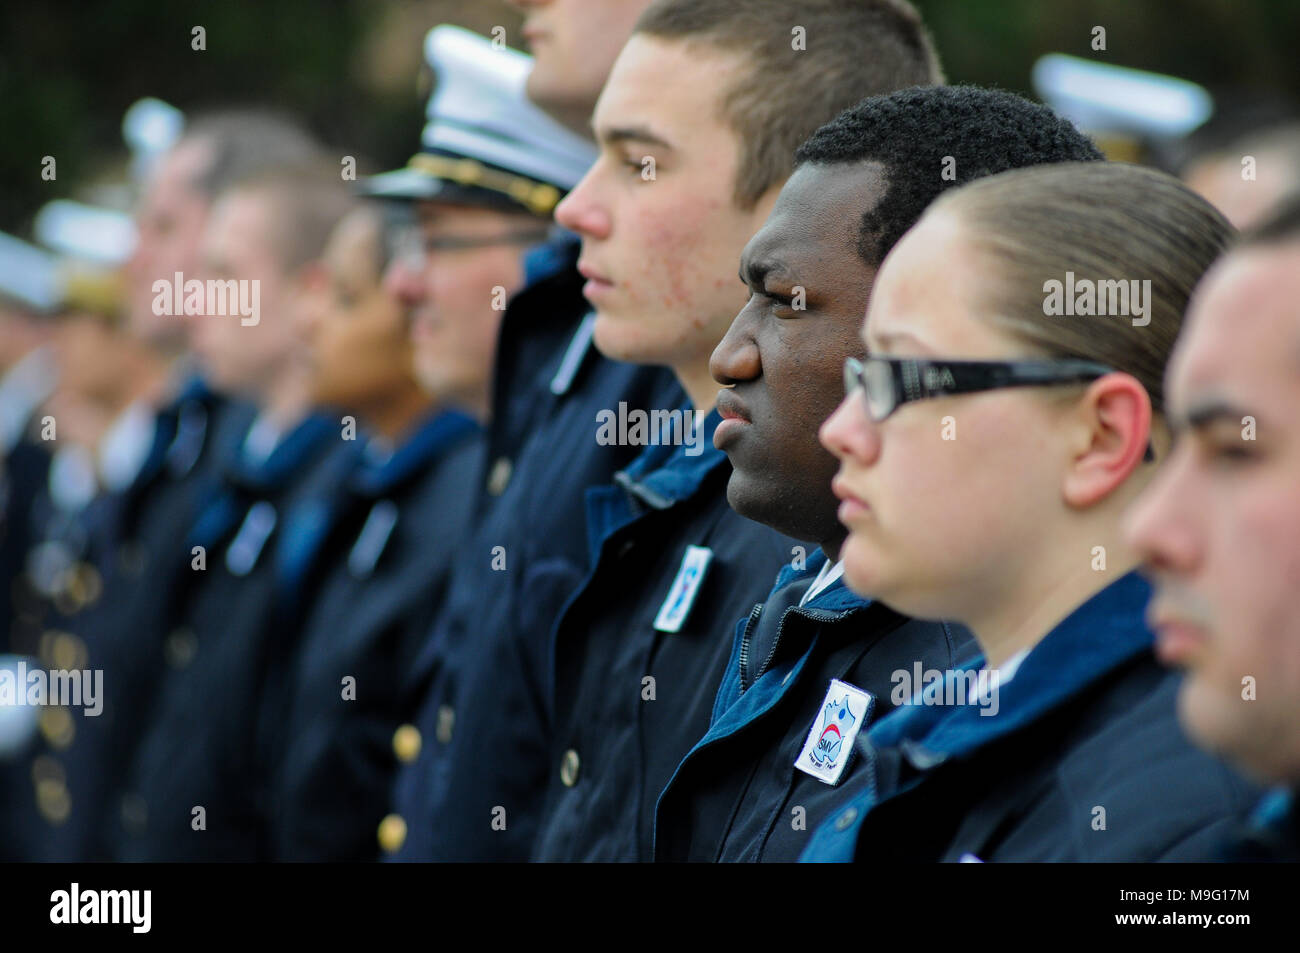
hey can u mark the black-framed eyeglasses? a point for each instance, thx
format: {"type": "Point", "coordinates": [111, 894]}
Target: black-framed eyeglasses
{"type": "Point", "coordinates": [890, 382]}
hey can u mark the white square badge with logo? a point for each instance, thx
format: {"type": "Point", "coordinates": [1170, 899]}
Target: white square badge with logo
{"type": "Point", "coordinates": [845, 709]}
{"type": "Point", "coordinates": [685, 587]}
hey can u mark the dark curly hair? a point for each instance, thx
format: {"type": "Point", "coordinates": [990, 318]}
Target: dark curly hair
{"type": "Point", "coordinates": [930, 138]}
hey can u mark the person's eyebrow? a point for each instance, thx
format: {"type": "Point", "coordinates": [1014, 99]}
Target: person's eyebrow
{"type": "Point", "coordinates": [887, 340]}
{"type": "Point", "coordinates": [614, 135]}
{"type": "Point", "coordinates": [756, 269]}
{"type": "Point", "coordinates": [1207, 413]}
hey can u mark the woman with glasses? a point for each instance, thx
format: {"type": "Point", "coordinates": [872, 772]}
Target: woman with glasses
{"type": "Point", "coordinates": [1008, 410]}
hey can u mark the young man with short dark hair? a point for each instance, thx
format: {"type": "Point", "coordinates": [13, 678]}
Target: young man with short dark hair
{"type": "Point", "coordinates": [683, 181]}
{"type": "Point", "coordinates": [1219, 526]}
{"type": "Point", "coordinates": [776, 760]}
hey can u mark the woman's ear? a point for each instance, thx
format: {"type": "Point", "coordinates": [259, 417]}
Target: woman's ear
{"type": "Point", "coordinates": [1114, 425]}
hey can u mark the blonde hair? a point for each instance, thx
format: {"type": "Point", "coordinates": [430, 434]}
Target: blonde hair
{"type": "Point", "coordinates": [1103, 221]}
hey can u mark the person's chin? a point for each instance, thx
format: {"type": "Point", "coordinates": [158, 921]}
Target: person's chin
{"type": "Point", "coordinates": [619, 338]}
{"type": "Point", "coordinates": [862, 569]}
{"type": "Point", "coordinates": [1217, 721]}
{"type": "Point", "coordinates": [430, 381]}
{"type": "Point", "coordinates": [1203, 713]}
{"type": "Point", "coordinates": [753, 498]}
{"type": "Point", "coordinates": [741, 496]}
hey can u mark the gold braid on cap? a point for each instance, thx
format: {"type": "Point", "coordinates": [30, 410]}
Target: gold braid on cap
{"type": "Point", "coordinates": [538, 197]}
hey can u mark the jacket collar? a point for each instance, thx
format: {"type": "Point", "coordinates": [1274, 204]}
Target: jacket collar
{"type": "Point", "coordinates": [836, 598]}
{"type": "Point", "coordinates": [765, 640]}
{"type": "Point", "coordinates": [665, 474]}
{"type": "Point", "coordinates": [290, 453]}
{"type": "Point", "coordinates": [660, 477]}
{"type": "Point", "coordinates": [1098, 637]}
{"type": "Point", "coordinates": [381, 469]}
{"type": "Point", "coordinates": [244, 481]}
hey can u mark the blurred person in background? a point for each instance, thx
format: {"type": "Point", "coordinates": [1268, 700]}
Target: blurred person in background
{"type": "Point", "coordinates": [140, 556]}
{"type": "Point", "coordinates": [27, 375]}
{"type": "Point", "coordinates": [197, 735]}
{"type": "Point", "coordinates": [1250, 176]}
{"type": "Point", "coordinates": [574, 44]}
{"type": "Point", "coordinates": [1219, 526]}
{"type": "Point", "coordinates": [548, 384]}
{"type": "Point", "coordinates": [412, 356]}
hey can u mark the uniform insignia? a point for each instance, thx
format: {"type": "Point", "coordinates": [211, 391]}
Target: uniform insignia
{"type": "Point", "coordinates": [682, 593]}
{"type": "Point", "coordinates": [829, 745]}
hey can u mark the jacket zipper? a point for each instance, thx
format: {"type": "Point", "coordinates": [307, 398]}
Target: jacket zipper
{"type": "Point", "coordinates": [816, 615]}
{"type": "Point", "coordinates": [744, 644]}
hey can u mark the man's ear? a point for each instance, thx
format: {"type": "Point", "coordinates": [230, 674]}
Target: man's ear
{"type": "Point", "coordinates": [1113, 422]}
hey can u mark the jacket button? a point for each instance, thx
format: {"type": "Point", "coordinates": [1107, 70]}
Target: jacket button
{"type": "Point", "coordinates": [50, 781]}
{"type": "Point", "coordinates": [84, 585]}
{"type": "Point", "coordinates": [62, 650]}
{"type": "Point", "coordinates": [52, 800]}
{"type": "Point", "coordinates": [843, 822]}
{"type": "Point", "coordinates": [569, 766]}
{"type": "Point", "coordinates": [406, 743]}
{"type": "Point", "coordinates": [180, 647]}
{"type": "Point", "coordinates": [499, 476]}
{"type": "Point", "coordinates": [57, 726]}
{"type": "Point", "coordinates": [392, 833]}
{"type": "Point", "coordinates": [66, 651]}
{"type": "Point", "coordinates": [446, 722]}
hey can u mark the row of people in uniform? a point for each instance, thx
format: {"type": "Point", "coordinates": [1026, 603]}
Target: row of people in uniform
{"type": "Point", "coordinates": [478, 633]}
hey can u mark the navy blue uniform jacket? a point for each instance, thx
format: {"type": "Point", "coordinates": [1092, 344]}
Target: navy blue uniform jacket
{"type": "Point", "coordinates": [486, 660]}
{"type": "Point", "coordinates": [140, 554]}
{"type": "Point", "coordinates": [619, 737]}
{"type": "Point", "coordinates": [1083, 761]}
{"type": "Point", "coordinates": [198, 738]}
{"type": "Point", "coordinates": [738, 796]}
{"type": "Point", "coordinates": [396, 526]}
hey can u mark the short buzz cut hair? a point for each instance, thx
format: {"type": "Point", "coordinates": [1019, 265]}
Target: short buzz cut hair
{"type": "Point", "coordinates": [307, 200]}
{"type": "Point", "coordinates": [805, 65]}
{"type": "Point", "coordinates": [245, 143]}
{"type": "Point", "coordinates": [938, 137]}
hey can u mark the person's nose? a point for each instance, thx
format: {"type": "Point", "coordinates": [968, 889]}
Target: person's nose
{"type": "Point", "coordinates": [1160, 524]}
{"type": "Point", "coordinates": [405, 280]}
{"type": "Point", "coordinates": [850, 433]}
{"type": "Point", "coordinates": [582, 211]}
{"type": "Point", "coordinates": [736, 358]}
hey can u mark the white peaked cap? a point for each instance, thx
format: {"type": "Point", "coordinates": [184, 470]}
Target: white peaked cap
{"type": "Point", "coordinates": [1108, 98]}
{"type": "Point", "coordinates": [479, 112]}
{"type": "Point", "coordinates": [100, 235]}
{"type": "Point", "coordinates": [29, 275]}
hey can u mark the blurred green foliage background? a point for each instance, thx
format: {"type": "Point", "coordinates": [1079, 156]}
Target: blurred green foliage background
{"type": "Point", "coordinates": [350, 69]}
